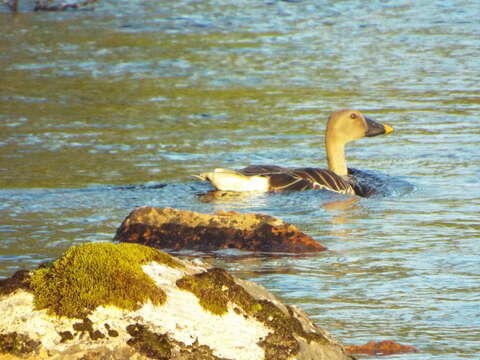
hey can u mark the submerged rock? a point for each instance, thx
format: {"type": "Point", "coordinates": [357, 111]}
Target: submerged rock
{"type": "Point", "coordinates": [382, 348]}
{"type": "Point", "coordinates": [74, 308]}
{"type": "Point", "coordinates": [168, 228]}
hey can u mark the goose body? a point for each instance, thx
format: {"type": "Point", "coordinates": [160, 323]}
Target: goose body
{"type": "Point", "coordinates": [343, 126]}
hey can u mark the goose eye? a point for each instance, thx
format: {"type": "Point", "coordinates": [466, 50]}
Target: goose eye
{"type": "Point", "coordinates": [353, 116]}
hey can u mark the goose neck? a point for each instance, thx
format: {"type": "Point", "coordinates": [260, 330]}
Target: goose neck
{"type": "Point", "coordinates": [336, 157]}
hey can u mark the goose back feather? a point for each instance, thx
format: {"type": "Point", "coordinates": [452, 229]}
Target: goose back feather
{"type": "Point", "coordinates": [286, 179]}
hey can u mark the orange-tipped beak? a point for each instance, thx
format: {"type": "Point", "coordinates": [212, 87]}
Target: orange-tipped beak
{"type": "Point", "coordinates": [388, 129]}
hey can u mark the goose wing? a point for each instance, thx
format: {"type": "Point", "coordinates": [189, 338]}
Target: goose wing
{"type": "Point", "coordinates": [263, 170]}
{"type": "Point", "coordinates": [325, 179]}
{"type": "Point", "coordinates": [282, 179]}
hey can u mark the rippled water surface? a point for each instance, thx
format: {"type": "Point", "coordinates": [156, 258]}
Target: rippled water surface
{"type": "Point", "coordinates": [102, 111]}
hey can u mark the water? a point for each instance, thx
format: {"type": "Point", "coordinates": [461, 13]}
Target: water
{"type": "Point", "coordinates": [102, 111]}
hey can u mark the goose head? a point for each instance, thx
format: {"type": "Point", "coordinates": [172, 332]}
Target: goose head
{"type": "Point", "coordinates": [345, 126]}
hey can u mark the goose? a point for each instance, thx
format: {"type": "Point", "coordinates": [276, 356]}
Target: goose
{"type": "Point", "coordinates": [343, 126]}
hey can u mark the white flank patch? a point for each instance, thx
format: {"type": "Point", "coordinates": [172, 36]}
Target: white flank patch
{"type": "Point", "coordinates": [227, 180]}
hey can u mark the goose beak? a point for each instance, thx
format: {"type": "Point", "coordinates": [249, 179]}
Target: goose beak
{"type": "Point", "coordinates": [374, 128]}
{"type": "Point", "coordinates": [388, 129]}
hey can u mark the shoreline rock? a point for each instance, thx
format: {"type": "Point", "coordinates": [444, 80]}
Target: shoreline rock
{"type": "Point", "coordinates": [167, 228]}
{"type": "Point", "coordinates": [206, 313]}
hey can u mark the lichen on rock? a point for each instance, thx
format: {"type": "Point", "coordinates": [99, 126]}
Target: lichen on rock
{"type": "Point", "coordinates": [215, 289]}
{"type": "Point", "coordinates": [146, 342]}
{"type": "Point", "coordinates": [163, 347]}
{"type": "Point", "coordinates": [17, 344]}
{"type": "Point", "coordinates": [92, 275]}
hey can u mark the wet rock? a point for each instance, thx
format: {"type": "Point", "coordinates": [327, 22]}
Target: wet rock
{"type": "Point", "coordinates": [204, 313]}
{"type": "Point", "coordinates": [168, 228]}
{"type": "Point", "coordinates": [386, 347]}
{"type": "Point", "coordinates": [19, 280]}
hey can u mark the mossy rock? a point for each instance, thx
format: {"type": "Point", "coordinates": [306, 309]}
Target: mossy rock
{"type": "Point", "coordinates": [215, 288]}
{"type": "Point", "coordinates": [146, 342]}
{"type": "Point", "coordinates": [96, 274]}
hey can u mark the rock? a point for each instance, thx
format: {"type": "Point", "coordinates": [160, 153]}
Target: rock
{"type": "Point", "coordinates": [386, 347]}
{"type": "Point", "coordinates": [16, 281]}
{"type": "Point", "coordinates": [46, 5]}
{"type": "Point", "coordinates": [129, 301]}
{"type": "Point", "coordinates": [178, 229]}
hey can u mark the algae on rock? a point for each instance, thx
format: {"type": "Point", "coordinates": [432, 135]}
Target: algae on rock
{"type": "Point", "coordinates": [92, 275]}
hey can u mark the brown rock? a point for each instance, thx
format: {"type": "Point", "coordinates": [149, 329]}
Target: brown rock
{"type": "Point", "coordinates": [19, 280]}
{"type": "Point", "coordinates": [168, 228]}
{"type": "Point", "coordinates": [386, 347]}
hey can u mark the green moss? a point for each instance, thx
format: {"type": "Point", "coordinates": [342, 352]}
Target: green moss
{"type": "Point", "coordinates": [17, 344]}
{"type": "Point", "coordinates": [95, 274]}
{"type": "Point", "coordinates": [215, 288]}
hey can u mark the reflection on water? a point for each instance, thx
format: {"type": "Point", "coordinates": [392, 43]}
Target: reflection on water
{"type": "Point", "coordinates": [233, 198]}
{"type": "Point", "coordinates": [106, 110]}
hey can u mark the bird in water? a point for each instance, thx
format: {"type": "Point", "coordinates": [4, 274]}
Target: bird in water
{"type": "Point", "coordinates": [343, 126]}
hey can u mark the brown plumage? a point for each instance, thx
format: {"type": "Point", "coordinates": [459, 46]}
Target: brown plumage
{"type": "Point", "coordinates": [285, 179]}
